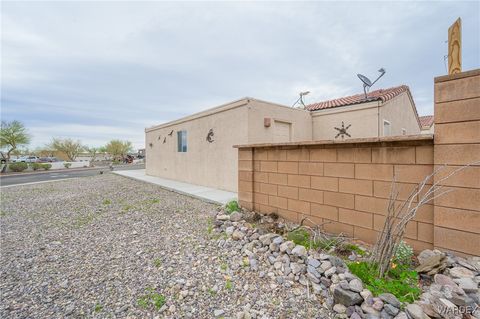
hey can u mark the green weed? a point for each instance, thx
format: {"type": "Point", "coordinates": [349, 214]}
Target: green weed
{"type": "Point", "coordinates": [400, 281]}
{"type": "Point", "coordinates": [229, 284]}
{"type": "Point", "coordinates": [157, 262]}
{"type": "Point", "coordinates": [98, 308]}
{"type": "Point", "coordinates": [232, 206]}
{"type": "Point", "coordinates": [151, 298]}
{"type": "Point", "coordinates": [107, 202]}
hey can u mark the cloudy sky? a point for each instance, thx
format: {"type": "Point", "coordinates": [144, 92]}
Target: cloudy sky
{"type": "Point", "coordinates": [95, 71]}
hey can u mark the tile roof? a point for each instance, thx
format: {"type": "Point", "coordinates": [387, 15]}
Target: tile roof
{"type": "Point", "coordinates": [426, 120]}
{"type": "Point", "coordinates": [382, 94]}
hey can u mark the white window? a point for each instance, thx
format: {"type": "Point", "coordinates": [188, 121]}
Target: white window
{"type": "Point", "coordinates": [182, 141]}
{"type": "Point", "coordinates": [386, 128]}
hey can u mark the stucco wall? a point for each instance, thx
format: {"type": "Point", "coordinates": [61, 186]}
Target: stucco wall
{"type": "Point", "coordinates": [215, 164]}
{"type": "Point", "coordinates": [363, 120]}
{"type": "Point", "coordinates": [400, 112]}
{"type": "Point", "coordinates": [209, 164]}
{"type": "Point", "coordinates": [301, 122]}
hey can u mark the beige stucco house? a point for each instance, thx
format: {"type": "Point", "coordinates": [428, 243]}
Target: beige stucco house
{"type": "Point", "coordinates": [385, 112]}
{"type": "Point", "coordinates": [198, 148]}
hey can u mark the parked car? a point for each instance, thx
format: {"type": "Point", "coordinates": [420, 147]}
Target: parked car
{"type": "Point", "coordinates": [27, 159]}
{"type": "Point", "coordinates": [48, 159]}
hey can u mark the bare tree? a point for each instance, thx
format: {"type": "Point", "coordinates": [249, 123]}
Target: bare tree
{"type": "Point", "coordinates": [69, 147]}
{"type": "Point", "coordinates": [399, 213]}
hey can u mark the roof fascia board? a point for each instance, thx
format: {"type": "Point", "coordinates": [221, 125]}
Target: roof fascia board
{"type": "Point", "coordinates": [208, 112]}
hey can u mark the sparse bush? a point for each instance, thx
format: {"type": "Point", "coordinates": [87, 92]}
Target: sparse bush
{"type": "Point", "coordinates": [46, 166]}
{"type": "Point", "coordinates": [35, 166]}
{"type": "Point", "coordinates": [67, 165]}
{"type": "Point", "coordinates": [18, 167]}
{"type": "Point", "coordinates": [232, 206]}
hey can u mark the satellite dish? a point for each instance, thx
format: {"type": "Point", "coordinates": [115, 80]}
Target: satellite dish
{"type": "Point", "coordinates": [367, 83]}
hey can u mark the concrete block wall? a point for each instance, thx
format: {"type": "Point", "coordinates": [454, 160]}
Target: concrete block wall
{"type": "Point", "coordinates": [457, 143]}
{"type": "Point", "coordinates": [343, 185]}
{"type": "Point", "coordinates": [347, 184]}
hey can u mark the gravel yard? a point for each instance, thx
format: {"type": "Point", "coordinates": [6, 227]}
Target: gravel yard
{"type": "Point", "coordinates": [110, 247]}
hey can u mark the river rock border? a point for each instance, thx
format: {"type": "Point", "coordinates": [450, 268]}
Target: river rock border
{"type": "Point", "coordinates": [455, 294]}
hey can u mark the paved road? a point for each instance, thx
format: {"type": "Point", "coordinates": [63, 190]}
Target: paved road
{"type": "Point", "coordinates": [43, 177]}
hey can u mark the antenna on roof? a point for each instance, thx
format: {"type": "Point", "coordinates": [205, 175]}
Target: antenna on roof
{"type": "Point", "coordinates": [367, 83]}
{"type": "Point", "coordinates": [300, 99]}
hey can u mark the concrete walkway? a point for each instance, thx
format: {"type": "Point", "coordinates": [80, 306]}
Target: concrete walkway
{"type": "Point", "coordinates": [208, 194]}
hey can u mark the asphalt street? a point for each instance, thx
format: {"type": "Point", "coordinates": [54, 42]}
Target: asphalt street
{"type": "Point", "coordinates": [19, 179]}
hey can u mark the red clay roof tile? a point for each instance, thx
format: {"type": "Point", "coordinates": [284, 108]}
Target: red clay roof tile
{"type": "Point", "coordinates": [382, 94]}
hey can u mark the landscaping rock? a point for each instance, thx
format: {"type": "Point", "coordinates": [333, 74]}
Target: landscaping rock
{"type": "Point", "coordinates": [416, 312]}
{"type": "Point", "coordinates": [391, 310]}
{"type": "Point", "coordinates": [433, 265]}
{"type": "Point", "coordinates": [223, 217]}
{"type": "Point", "coordinates": [356, 285]}
{"type": "Point", "coordinates": [346, 297]}
{"type": "Point", "coordinates": [461, 272]}
{"type": "Point", "coordinates": [315, 263]}
{"type": "Point", "coordinates": [427, 254]}
{"type": "Point", "coordinates": [467, 284]}
{"type": "Point", "coordinates": [390, 299]}
{"type": "Point", "coordinates": [299, 251]}
{"type": "Point", "coordinates": [235, 216]}
{"type": "Point", "coordinates": [237, 235]}
{"type": "Point", "coordinates": [339, 308]}
{"type": "Point", "coordinates": [287, 247]}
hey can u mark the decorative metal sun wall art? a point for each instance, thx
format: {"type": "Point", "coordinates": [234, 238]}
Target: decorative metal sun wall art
{"type": "Point", "coordinates": [342, 131]}
{"type": "Point", "coordinates": [210, 136]}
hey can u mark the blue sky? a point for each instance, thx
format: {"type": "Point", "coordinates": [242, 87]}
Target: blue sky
{"type": "Point", "coordinates": [95, 71]}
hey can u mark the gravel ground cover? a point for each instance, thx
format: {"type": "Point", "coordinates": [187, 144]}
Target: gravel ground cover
{"type": "Point", "coordinates": [109, 247]}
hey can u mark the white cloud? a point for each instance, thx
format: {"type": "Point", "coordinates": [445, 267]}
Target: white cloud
{"type": "Point", "coordinates": [105, 69]}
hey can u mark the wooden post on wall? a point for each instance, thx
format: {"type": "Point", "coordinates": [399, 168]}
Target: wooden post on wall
{"type": "Point", "coordinates": [455, 47]}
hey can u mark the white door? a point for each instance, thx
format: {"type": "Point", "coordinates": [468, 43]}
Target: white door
{"type": "Point", "coordinates": [282, 132]}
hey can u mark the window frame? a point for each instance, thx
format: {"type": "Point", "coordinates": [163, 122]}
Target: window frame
{"type": "Point", "coordinates": [182, 141]}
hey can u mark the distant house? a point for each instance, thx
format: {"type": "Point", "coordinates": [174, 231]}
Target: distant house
{"type": "Point", "coordinates": [427, 124]}
{"type": "Point", "coordinates": [385, 112]}
{"type": "Point", "coordinates": [198, 148]}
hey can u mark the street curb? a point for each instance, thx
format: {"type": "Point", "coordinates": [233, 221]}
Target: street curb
{"type": "Point", "coordinates": [41, 182]}
{"type": "Point", "coordinates": [79, 169]}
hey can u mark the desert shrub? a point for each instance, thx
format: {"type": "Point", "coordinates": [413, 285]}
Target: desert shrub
{"type": "Point", "coordinates": [67, 165]}
{"type": "Point", "coordinates": [18, 167]}
{"type": "Point", "coordinates": [36, 166]}
{"type": "Point", "coordinates": [46, 166]}
{"type": "Point", "coordinates": [400, 280]}
{"type": "Point", "coordinates": [301, 236]}
{"type": "Point", "coordinates": [232, 206]}
{"type": "Point", "coordinates": [347, 248]}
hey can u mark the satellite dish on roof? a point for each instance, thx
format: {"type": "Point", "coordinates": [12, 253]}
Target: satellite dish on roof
{"type": "Point", "coordinates": [367, 83]}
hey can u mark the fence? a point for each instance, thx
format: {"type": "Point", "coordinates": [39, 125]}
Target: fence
{"type": "Point", "coordinates": [346, 184]}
